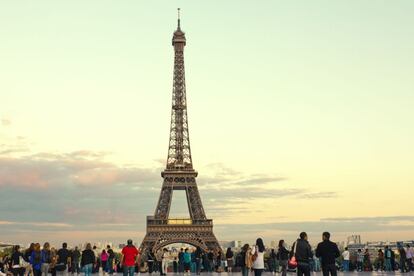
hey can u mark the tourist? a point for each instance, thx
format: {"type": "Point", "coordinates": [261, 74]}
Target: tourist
{"type": "Point", "coordinates": [181, 261]}
{"type": "Point", "coordinates": [36, 260]}
{"type": "Point", "coordinates": [403, 259]}
{"type": "Point", "coordinates": [111, 259]}
{"type": "Point", "coordinates": [16, 267]}
{"type": "Point", "coordinates": [53, 260]}
{"type": "Point", "coordinates": [104, 260]}
{"type": "Point", "coordinates": [244, 260]}
{"type": "Point", "coordinates": [367, 261]}
{"type": "Point", "coordinates": [88, 260]}
{"type": "Point", "coordinates": [409, 254]}
{"type": "Point", "coordinates": [328, 252]}
{"type": "Point", "coordinates": [187, 261]}
{"type": "Point", "coordinates": [164, 261]}
{"type": "Point", "coordinates": [380, 260]}
{"type": "Point", "coordinates": [283, 256]}
{"type": "Point", "coordinates": [26, 258]}
{"type": "Point", "coordinates": [360, 260]}
{"type": "Point", "coordinates": [303, 254]}
{"type": "Point", "coordinates": [257, 254]}
{"type": "Point", "coordinates": [150, 261]}
{"type": "Point", "coordinates": [129, 258]}
{"type": "Point", "coordinates": [96, 265]}
{"type": "Point", "coordinates": [387, 256]}
{"type": "Point", "coordinates": [63, 260]}
{"type": "Point", "coordinates": [198, 255]}
{"type": "Point", "coordinates": [193, 266]}
{"type": "Point", "coordinates": [272, 262]}
{"type": "Point", "coordinates": [76, 255]}
{"type": "Point", "coordinates": [175, 265]}
{"type": "Point", "coordinates": [346, 257]}
{"type": "Point", "coordinates": [46, 259]}
{"type": "Point", "coordinates": [219, 258]}
{"type": "Point", "coordinates": [229, 258]}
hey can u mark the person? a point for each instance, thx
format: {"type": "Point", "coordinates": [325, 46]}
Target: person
{"type": "Point", "coordinates": [26, 257]}
{"type": "Point", "coordinates": [111, 258]}
{"type": "Point", "coordinates": [88, 260]}
{"type": "Point", "coordinates": [241, 261]}
{"type": "Point", "coordinates": [187, 261]}
{"type": "Point", "coordinates": [63, 260]}
{"type": "Point", "coordinates": [16, 267]}
{"type": "Point", "coordinates": [360, 260]}
{"type": "Point", "coordinates": [104, 260]}
{"type": "Point", "coordinates": [409, 255]}
{"type": "Point", "coordinates": [346, 257]}
{"type": "Point", "coordinates": [210, 258]}
{"type": "Point", "coordinates": [258, 257]}
{"type": "Point", "coordinates": [46, 259]}
{"type": "Point", "coordinates": [218, 261]}
{"type": "Point", "coordinates": [53, 260]}
{"type": "Point", "coordinates": [130, 256]}
{"type": "Point", "coordinates": [403, 259]}
{"type": "Point", "coordinates": [229, 258]}
{"type": "Point", "coordinates": [175, 265]}
{"type": "Point", "coordinates": [75, 261]}
{"type": "Point", "coordinates": [36, 260]}
{"type": "Point", "coordinates": [283, 256]}
{"type": "Point", "coordinates": [273, 261]}
{"type": "Point", "coordinates": [181, 261]}
{"type": "Point", "coordinates": [380, 260]}
{"type": "Point", "coordinates": [303, 253]}
{"type": "Point", "coordinates": [387, 256]}
{"type": "Point", "coordinates": [150, 261]}
{"type": "Point", "coordinates": [367, 261]}
{"type": "Point", "coordinates": [328, 252]}
{"type": "Point", "coordinates": [164, 261]}
{"type": "Point", "coordinates": [198, 256]}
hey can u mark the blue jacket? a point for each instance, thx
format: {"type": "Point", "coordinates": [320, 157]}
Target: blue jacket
{"type": "Point", "coordinates": [36, 261]}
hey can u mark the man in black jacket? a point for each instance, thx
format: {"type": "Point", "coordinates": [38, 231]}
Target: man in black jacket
{"type": "Point", "coordinates": [328, 251]}
{"type": "Point", "coordinates": [303, 253]}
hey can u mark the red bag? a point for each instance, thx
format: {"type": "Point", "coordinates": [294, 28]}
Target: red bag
{"type": "Point", "coordinates": [293, 263]}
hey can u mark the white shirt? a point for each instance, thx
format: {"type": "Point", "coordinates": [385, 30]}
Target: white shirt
{"type": "Point", "coordinates": [409, 253]}
{"type": "Point", "coordinates": [345, 255]}
{"type": "Point", "coordinates": [259, 262]}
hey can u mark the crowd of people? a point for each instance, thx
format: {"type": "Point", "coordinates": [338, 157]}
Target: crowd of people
{"type": "Point", "coordinates": [300, 257]}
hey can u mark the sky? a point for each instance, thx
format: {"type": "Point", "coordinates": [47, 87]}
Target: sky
{"type": "Point", "coordinates": [300, 117]}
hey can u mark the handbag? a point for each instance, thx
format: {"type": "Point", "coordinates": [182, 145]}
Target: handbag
{"type": "Point", "coordinates": [22, 262]}
{"type": "Point", "coordinates": [60, 267]}
{"type": "Point", "coordinates": [293, 263]}
{"type": "Point", "coordinates": [255, 255]}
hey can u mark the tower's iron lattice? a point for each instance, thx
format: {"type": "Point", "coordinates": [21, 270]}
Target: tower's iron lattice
{"type": "Point", "coordinates": [179, 175]}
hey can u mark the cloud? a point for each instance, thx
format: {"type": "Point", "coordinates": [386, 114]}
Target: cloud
{"type": "Point", "coordinates": [5, 122]}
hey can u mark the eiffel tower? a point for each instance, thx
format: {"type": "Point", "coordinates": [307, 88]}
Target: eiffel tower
{"type": "Point", "coordinates": [179, 175]}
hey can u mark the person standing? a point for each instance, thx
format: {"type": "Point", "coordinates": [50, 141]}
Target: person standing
{"type": "Point", "coordinates": [346, 257]}
{"type": "Point", "coordinates": [409, 254]}
{"type": "Point", "coordinates": [130, 257]}
{"type": "Point", "coordinates": [380, 260]}
{"type": "Point", "coordinates": [328, 252]}
{"type": "Point", "coordinates": [403, 259]}
{"type": "Point", "coordinates": [258, 257]}
{"type": "Point", "coordinates": [360, 260]}
{"type": "Point", "coordinates": [303, 254]}
{"type": "Point", "coordinates": [46, 259]}
{"type": "Point", "coordinates": [164, 261]}
{"type": "Point", "coordinates": [283, 256]}
{"type": "Point", "coordinates": [76, 254]}
{"type": "Point", "coordinates": [88, 260]}
{"type": "Point", "coordinates": [387, 256]}
{"type": "Point", "coordinates": [198, 254]}
{"type": "Point", "coordinates": [229, 259]}
{"type": "Point", "coordinates": [111, 259]}
{"type": "Point", "coordinates": [36, 260]}
{"type": "Point", "coordinates": [26, 258]}
{"type": "Point", "coordinates": [150, 261]}
{"type": "Point", "coordinates": [16, 267]}
{"type": "Point", "coordinates": [63, 260]}
{"type": "Point", "coordinates": [272, 262]}
{"type": "Point", "coordinates": [104, 261]}
{"type": "Point", "coordinates": [187, 261]}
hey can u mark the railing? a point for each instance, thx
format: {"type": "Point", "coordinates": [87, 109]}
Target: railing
{"type": "Point", "coordinates": [178, 221]}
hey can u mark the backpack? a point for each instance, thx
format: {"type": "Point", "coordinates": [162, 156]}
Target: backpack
{"type": "Point", "coordinates": [255, 255]}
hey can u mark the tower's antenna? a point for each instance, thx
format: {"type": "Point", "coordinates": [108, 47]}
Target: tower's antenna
{"type": "Point", "coordinates": [178, 11]}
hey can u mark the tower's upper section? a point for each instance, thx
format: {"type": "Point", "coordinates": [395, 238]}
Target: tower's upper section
{"type": "Point", "coordinates": [178, 40]}
{"type": "Point", "coordinates": [179, 153]}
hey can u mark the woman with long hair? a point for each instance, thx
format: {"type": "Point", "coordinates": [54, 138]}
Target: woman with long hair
{"type": "Point", "coordinates": [229, 259]}
{"type": "Point", "coordinates": [46, 259]}
{"type": "Point", "coordinates": [36, 260]}
{"type": "Point", "coordinates": [104, 260]}
{"type": "Point", "coordinates": [283, 256]}
{"type": "Point", "coordinates": [257, 256]}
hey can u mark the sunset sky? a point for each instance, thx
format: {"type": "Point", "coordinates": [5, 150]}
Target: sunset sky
{"type": "Point", "coordinates": [301, 117]}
